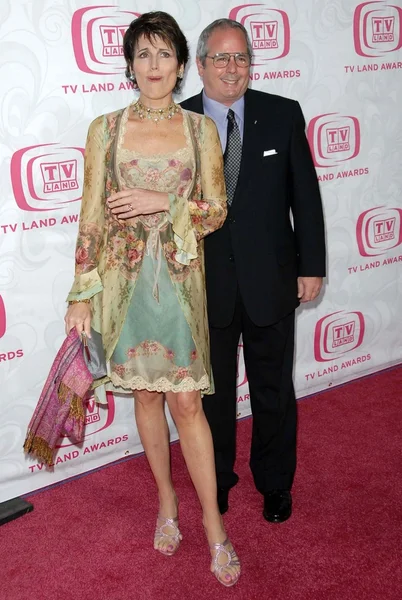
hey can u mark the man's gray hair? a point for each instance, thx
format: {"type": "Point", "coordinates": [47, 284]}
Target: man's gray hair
{"type": "Point", "coordinates": [202, 46]}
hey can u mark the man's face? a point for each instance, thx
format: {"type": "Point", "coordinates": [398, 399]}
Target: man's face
{"type": "Point", "coordinates": [227, 84]}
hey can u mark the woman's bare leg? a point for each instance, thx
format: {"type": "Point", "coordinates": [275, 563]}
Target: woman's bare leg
{"type": "Point", "coordinates": [154, 434]}
{"type": "Point", "coordinates": [197, 447]}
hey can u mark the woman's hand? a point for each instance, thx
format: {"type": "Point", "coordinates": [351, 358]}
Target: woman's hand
{"type": "Point", "coordinates": [137, 201]}
{"type": "Point", "coordinates": [79, 316]}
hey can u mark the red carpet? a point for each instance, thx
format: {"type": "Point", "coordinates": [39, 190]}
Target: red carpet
{"type": "Point", "coordinates": [91, 538]}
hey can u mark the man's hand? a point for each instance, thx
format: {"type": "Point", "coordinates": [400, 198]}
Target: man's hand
{"type": "Point", "coordinates": [308, 288]}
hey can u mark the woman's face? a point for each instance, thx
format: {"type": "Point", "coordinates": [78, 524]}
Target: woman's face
{"type": "Point", "coordinates": [155, 67]}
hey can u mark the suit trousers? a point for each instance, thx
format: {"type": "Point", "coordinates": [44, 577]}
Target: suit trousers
{"type": "Point", "coordinates": [268, 356]}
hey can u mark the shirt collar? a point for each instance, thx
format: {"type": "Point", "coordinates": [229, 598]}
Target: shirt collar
{"type": "Point", "coordinates": [220, 111]}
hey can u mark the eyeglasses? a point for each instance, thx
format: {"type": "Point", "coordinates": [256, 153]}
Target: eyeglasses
{"type": "Point", "coordinates": [222, 59]}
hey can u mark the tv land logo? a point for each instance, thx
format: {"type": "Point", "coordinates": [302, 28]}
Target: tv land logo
{"type": "Point", "coordinates": [378, 230]}
{"type": "Point", "coordinates": [338, 333]}
{"type": "Point", "coordinates": [92, 412]}
{"type": "Point", "coordinates": [3, 318]}
{"type": "Point", "coordinates": [382, 29]}
{"type": "Point", "coordinates": [97, 33]}
{"type": "Point", "coordinates": [334, 138]}
{"type": "Point", "coordinates": [268, 28]}
{"type": "Point", "coordinates": [377, 28]}
{"type": "Point", "coordinates": [47, 176]}
{"type": "Point", "coordinates": [97, 418]}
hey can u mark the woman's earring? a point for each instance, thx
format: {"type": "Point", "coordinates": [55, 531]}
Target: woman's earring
{"type": "Point", "coordinates": [180, 73]}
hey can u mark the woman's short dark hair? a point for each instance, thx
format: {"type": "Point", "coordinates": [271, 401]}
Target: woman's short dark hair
{"type": "Point", "coordinates": [150, 25]}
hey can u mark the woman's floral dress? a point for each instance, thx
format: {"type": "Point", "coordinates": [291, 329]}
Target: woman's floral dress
{"type": "Point", "coordinates": [145, 276]}
{"type": "Point", "coordinates": [156, 350]}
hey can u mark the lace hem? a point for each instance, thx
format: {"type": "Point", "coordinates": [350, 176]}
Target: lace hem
{"type": "Point", "coordinates": [162, 384]}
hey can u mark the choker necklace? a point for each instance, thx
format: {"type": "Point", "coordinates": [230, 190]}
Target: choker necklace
{"type": "Point", "coordinates": [155, 114]}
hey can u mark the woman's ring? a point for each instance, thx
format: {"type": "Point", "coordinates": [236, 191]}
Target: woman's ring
{"type": "Point", "coordinates": [129, 207]}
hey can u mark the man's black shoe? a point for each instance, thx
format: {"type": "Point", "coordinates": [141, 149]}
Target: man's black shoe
{"type": "Point", "coordinates": [277, 506]}
{"type": "Point", "coordinates": [223, 500]}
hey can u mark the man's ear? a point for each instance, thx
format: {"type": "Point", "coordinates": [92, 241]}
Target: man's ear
{"type": "Point", "coordinates": [200, 67]}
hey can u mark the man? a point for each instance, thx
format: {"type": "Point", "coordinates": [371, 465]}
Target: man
{"type": "Point", "coordinates": [258, 266]}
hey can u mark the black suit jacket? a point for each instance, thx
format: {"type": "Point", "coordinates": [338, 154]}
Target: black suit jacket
{"type": "Point", "coordinates": [258, 249]}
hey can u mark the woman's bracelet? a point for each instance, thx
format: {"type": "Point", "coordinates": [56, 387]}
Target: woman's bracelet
{"type": "Point", "coordinates": [87, 301]}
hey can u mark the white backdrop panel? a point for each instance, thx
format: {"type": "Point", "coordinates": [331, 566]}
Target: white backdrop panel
{"type": "Point", "coordinates": [61, 65]}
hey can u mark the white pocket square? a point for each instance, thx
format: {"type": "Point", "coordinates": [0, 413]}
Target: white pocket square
{"type": "Point", "coordinates": [269, 152]}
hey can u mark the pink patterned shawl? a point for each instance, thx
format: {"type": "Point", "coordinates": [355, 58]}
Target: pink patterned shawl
{"type": "Point", "coordinates": [60, 408]}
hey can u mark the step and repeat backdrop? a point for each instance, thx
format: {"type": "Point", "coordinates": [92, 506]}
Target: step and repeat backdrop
{"type": "Point", "coordinates": [61, 66]}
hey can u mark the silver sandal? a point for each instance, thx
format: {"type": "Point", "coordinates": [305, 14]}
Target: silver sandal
{"type": "Point", "coordinates": [174, 538]}
{"type": "Point", "coordinates": [232, 561]}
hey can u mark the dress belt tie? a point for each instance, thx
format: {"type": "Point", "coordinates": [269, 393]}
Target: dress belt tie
{"type": "Point", "coordinates": [154, 250]}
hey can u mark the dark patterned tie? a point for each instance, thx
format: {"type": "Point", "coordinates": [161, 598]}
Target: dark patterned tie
{"type": "Point", "coordinates": [232, 156]}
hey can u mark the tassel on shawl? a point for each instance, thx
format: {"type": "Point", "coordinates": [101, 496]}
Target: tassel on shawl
{"type": "Point", "coordinates": [38, 447]}
{"type": "Point", "coordinates": [74, 425]}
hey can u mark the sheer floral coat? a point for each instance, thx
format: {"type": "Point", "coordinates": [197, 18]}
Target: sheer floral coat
{"type": "Point", "coordinates": [109, 254]}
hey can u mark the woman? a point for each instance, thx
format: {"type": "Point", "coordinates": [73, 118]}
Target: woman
{"type": "Point", "coordinates": [153, 188]}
